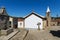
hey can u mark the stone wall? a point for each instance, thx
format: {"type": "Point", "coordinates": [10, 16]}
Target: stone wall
{"type": "Point", "coordinates": [53, 23]}
{"type": "Point", "coordinates": [44, 23]}
{"type": "Point", "coordinates": [11, 20]}
{"type": "Point", "coordinates": [6, 32]}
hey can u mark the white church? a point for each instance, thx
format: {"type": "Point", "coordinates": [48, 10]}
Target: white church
{"type": "Point", "coordinates": [33, 21]}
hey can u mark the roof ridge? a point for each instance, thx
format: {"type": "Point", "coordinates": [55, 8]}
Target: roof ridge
{"type": "Point", "coordinates": [34, 14]}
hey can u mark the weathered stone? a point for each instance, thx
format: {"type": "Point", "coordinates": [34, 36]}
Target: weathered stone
{"type": "Point", "coordinates": [6, 32]}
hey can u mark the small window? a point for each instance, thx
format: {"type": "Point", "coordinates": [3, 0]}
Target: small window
{"type": "Point", "coordinates": [48, 14]}
{"type": "Point", "coordinates": [2, 18]}
{"type": "Point", "coordinates": [20, 23]}
{"type": "Point", "coordinates": [10, 22]}
{"type": "Point", "coordinates": [10, 26]}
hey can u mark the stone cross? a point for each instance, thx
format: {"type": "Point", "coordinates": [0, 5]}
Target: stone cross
{"type": "Point", "coordinates": [39, 25]}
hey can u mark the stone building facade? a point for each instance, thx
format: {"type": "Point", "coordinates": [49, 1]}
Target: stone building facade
{"type": "Point", "coordinates": [4, 19]}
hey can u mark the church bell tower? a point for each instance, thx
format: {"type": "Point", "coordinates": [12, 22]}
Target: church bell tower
{"type": "Point", "coordinates": [48, 17]}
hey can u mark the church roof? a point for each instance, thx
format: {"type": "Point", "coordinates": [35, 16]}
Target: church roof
{"type": "Point", "coordinates": [48, 10]}
{"type": "Point", "coordinates": [36, 15]}
{"type": "Point", "coordinates": [3, 11]}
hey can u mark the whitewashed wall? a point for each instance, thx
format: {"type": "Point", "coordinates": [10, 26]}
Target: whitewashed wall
{"type": "Point", "coordinates": [11, 19]}
{"type": "Point", "coordinates": [31, 22]}
{"type": "Point", "coordinates": [20, 26]}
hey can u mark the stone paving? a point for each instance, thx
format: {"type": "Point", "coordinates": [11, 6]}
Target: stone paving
{"type": "Point", "coordinates": [20, 35]}
{"type": "Point", "coordinates": [8, 36]}
{"type": "Point", "coordinates": [43, 34]}
{"type": "Point", "coordinates": [36, 34]}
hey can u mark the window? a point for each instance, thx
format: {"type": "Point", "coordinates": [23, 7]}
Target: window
{"type": "Point", "coordinates": [10, 22]}
{"type": "Point", "coordinates": [48, 14]}
{"type": "Point", "coordinates": [2, 18]}
{"type": "Point", "coordinates": [20, 24]}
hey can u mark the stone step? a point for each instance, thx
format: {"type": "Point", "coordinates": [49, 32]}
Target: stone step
{"type": "Point", "coordinates": [19, 36]}
{"type": "Point", "coordinates": [8, 36]}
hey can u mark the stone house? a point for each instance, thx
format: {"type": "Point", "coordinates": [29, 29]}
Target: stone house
{"type": "Point", "coordinates": [4, 19]}
{"type": "Point", "coordinates": [55, 21]}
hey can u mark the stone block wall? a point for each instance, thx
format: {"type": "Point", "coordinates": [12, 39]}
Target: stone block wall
{"type": "Point", "coordinates": [6, 32]}
{"type": "Point", "coordinates": [53, 23]}
{"type": "Point", "coordinates": [44, 23]}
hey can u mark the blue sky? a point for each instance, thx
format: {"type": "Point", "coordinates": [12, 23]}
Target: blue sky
{"type": "Point", "coordinates": [22, 8]}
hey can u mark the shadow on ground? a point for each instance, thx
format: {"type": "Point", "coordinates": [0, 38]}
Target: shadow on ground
{"type": "Point", "coordinates": [55, 33]}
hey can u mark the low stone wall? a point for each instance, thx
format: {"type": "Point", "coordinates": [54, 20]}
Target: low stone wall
{"type": "Point", "coordinates": [6, 32]}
